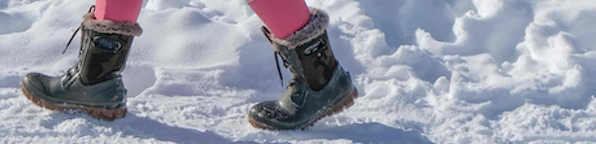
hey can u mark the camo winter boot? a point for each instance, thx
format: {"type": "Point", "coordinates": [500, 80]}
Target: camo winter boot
{"type": "Point", "coordinates": [94, 85]}
{"type": "Point", "coordinates": [319, 86]}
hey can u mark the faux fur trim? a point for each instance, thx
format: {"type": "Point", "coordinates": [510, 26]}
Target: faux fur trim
{"type": "Point", "coordinates": [109, 26]}
{"type": "Point", "coordinates": [315, 27]}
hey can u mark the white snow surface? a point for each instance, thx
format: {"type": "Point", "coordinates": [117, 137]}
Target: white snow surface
{"type": "Point", "coordinates": [428, 71]}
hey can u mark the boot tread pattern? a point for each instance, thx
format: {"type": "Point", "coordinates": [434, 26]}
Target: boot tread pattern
{"type": "Point", "coordinates": [97, 113]}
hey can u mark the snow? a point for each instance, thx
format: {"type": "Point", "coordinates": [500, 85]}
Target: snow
{"type": "Point", "coordinates": [428, 71]}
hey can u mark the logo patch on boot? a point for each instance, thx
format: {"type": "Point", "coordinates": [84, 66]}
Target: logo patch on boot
{"type": "Point", "coordinates": [314, 47]}
{"type": "Point", "coordinates": [107, 44]}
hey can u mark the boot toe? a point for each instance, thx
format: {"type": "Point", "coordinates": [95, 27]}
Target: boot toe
{"type": "Point", "coordinates": [258, 111]}
{"type": "Point", "coordinates": [34, 81]}
{"type": "Point", "coordinates": [266, 112]}
{"type": "Point", "coordinates": [270, 116]}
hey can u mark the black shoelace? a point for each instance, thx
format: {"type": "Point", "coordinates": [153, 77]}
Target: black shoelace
{"type": "Point", "coordinates": [281, 77]}
{"type": "Point", "coordinates": [92, 8]}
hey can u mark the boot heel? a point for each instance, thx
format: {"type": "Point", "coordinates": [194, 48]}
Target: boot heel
{"type": "Point", "coordinates": [340, 107]}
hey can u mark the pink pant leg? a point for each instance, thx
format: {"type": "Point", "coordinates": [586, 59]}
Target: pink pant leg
{"type": "Point", "coordinates": [282, 17]}
{"type": "Point", "coordinates": [118, 10]}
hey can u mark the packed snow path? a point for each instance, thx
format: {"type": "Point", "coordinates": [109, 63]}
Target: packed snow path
{"type": "Point", "coordinates": [429, 71]}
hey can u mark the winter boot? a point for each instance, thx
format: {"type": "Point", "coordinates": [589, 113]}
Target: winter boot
{"type": "Point", "coordinates": [94, 85]}
{"type": "Point", "coordinates": [319, 86]}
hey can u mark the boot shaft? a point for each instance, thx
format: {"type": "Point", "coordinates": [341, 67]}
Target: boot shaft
{"type": "Point", "coordinates": [105, 45]}
{"type": "Point", "coordinates": [313, 61]}
{"type": "Point", "coordinates": [317, 61]}
{"type": "Point", "coordinates": [103, 56]}
{"type": "Point", "coordinates": [307, 52]}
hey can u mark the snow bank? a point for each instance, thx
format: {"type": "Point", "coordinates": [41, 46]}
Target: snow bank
{"type": "Point", "coordinates": [429, 71]}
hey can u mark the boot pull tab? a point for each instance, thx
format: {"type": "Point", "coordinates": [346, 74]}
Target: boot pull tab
{"type": "Point", "coordinates": [92, 8]}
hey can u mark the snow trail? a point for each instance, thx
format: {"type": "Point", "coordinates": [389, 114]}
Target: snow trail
{"type": "Point", "coordinates": [429, 71]}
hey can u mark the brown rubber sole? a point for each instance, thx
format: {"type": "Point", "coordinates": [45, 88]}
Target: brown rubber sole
{"type": "Point", "coordinates": [98, 113]}
{"type": "Point", "coordinates": [344, 104]}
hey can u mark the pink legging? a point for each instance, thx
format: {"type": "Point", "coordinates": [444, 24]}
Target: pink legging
{"type": "Point", "coordinates": [118, 10]}
{"type": "Point", "coordinates": [282, 17]}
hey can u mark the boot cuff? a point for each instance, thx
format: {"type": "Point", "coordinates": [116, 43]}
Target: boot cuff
{"type": "Point", "coordinates": [109, 26]}
{"type": "Point", "coordinates": [315, 27]}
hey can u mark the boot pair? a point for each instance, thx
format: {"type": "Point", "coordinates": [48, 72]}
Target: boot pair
{"type": "Point", "coordinates": [319, 85]}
